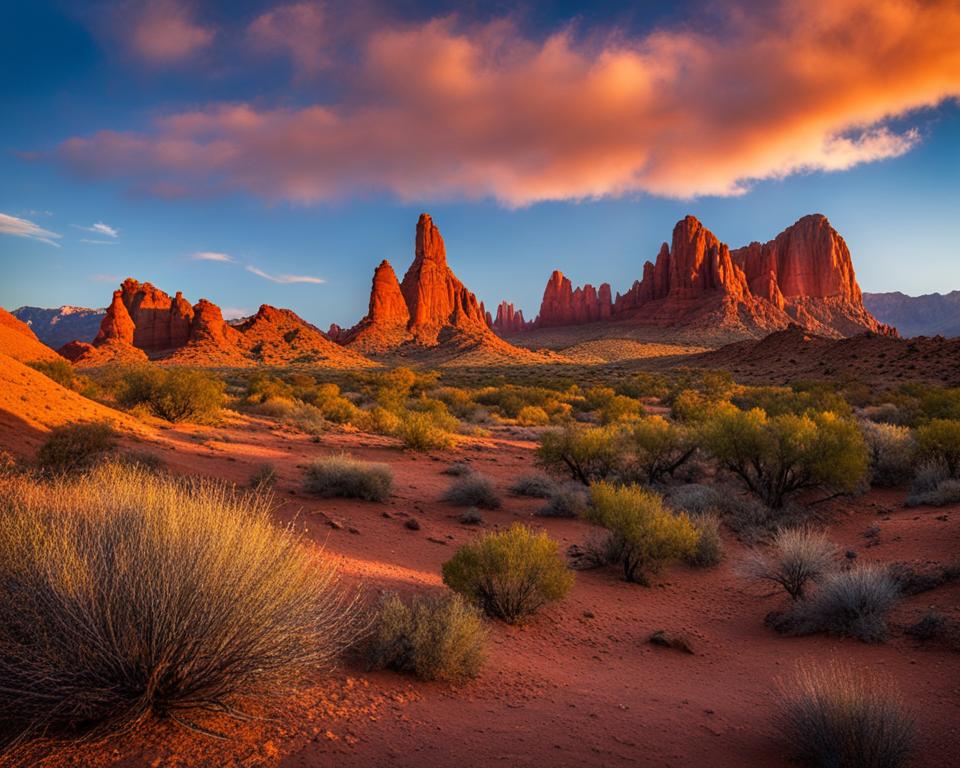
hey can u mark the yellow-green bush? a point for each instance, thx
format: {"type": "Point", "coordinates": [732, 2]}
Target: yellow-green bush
{"type": "Point", "coordinates": [585, 453]}
{"type": "Point", "coordinates": [510, 574]}
{"type": "Point", "coordinates": [644, 534]}
{"type": "Point", "coordinates": [657, 448]}
{"type": "Point", "coordinates": [532, 416]}
{"type": "Point", "coordinates": [939, 441]}
{"type": "Point", "coordinates": [776, 457]}
{"type": "Point", "coordinates": [174, 394]}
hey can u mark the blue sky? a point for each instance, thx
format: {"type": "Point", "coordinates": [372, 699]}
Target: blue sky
{"type": "Point", "coordinates": [514, 199]}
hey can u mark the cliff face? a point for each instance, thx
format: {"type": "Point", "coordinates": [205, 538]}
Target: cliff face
{"type": "Point", "coordinates": [805, 275]}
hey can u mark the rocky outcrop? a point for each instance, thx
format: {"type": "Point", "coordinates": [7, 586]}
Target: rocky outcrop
{"type": "Point", "coordinates": [429, 310]}
{"type": "Point", "coordinates": [805, 276]}
{"type": "Point", "coordinates": [564, 305]}
{"type": "Point", "coordinates": [509, 320]}
{"type": "Point", "coordinates": [434, 297]}
{"type": "Point", "coordinates": [117, 325]}
{"type": "Point", "coordinates": [160, 322]}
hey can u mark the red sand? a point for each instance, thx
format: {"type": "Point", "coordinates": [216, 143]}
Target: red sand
{"type": "Point", "coordinates": [578, 685]}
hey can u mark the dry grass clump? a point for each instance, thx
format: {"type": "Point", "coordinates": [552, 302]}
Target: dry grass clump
{"type": "Point", "coordinates": [345, 477]}
{"type": "Point", "coordinates": [535, 486]}
{"type": "Point", "coordinates": [435, 638]}
{"type": "Point", "coordinates": [457, 469]}
{"type": "Point", "coordinates": [933, 486]}
{"type": "Point", "coordinates": [835, 717]}
{"type": "Point", "coordinates": [709, 549]}
{"type": "Point", "coordinates": [75, 447]}
{"type": "Point", "coordinates": [510, 574]}
{"type": "Point", "coordinates": [470, 516]}
{"type": "Point", "coordinates": [265, 477]}
{"type": "Point", "coordinates": [569, 499]}
{"type": "Point", "coordinates": [473, 490]}
{"type": "Point", "coordinates": [797, 557]}
{"type": "Point", "coordinates": [126, 594]}
{"type": "Point", "coordinates": [892, 453]}
{"type": "Point", "coordinates": [850, 603]}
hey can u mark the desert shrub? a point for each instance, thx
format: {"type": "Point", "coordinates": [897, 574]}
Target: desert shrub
{"type": "Point", "coordinates": [692, 407]}
{"type": "Point", "coordinates": [435, 638]}
{"type": "Point", "coordinates": [777, 457]}
{"type": "Point", "coordinates": [585, 453]}
{"type": "Point", "coordinates": [457, 469]}
{"type": "Point", "coordinates": [620, 408]}
{"type": "Point", "coordinates": [510, 574]}
{"type": "Point", "coordinates": [646, 385]}
{"type": "Point", "coordinates": [75, 447]}
{"type": "Point", "coordinates": [263, 386]}
{"type": "Point", "coordinates": [458, 401]}
{"type": "Point", "coordinates": [295, 413]}
{"type": "Point", "coordinates": [125, 594]}
{"type": "Point", "coordinates": [892, 452]}
{"type": "Point", "coordinates": [796, 557]}
{"type": "Point", "coordinates": [473, 490]}
{"type": "Point", "coordinates": [567, 500]}
{"type": "Point", "coordinates": [801, 399]}
{"type": "Point", "coordinates": [534, 486]}
{"type": "Point", "coordinates": [947, 492]}
{"type": "Point", "coordinates": [695, 499]}
{"type": "Point", "coordinates": [646, 534]}
{"type": "Point", "coordinates": [851, 603]}
{"type": "Point", "coordinates": [345, 477]}
{"type": "Point", "coordinates": [470, 516]}
{"type": "Point", "coordinates": [754, 522]}
{"type": "Point", "coordinates": [380, 421]}
{"type": "Point", "coordinates": [709, 549]}
{"type": "Point", "coordinates": [658, 448]}
{"type": "Point", "coordinates": [174, 394]}
{"type": "Point", "coordinates": [264, 477]}
{"type": "Point", "coordinates": [532, 416]}
{"type": "Point", "coordinates": [939, 441]}
{"type": "Point", "coordinates": [420, 431]}
{"type": "Point", "coordinates": [60, 370]}
{"type": "Point", "coordinates": [835, 717]}
{"type": "Point", "coordinates": [938, 403]}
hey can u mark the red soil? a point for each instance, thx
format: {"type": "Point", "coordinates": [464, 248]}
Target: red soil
{"type": "Point", "coordinates": [577, 685]}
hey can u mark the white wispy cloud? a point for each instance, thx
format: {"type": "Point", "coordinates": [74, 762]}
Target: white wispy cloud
{"type": "Point", "coordinates": [99, 228]}
{"type": "Point", "coordinates": [285, 279]}
{"type": "Point", "coordinates": [235, 313]}
{"type": "Point", "coordinates": [91, 241]}
{"type": "Point", "coordinates": [101, 278]}
{"type": "Point", "coordinates": [11, 225]}
{"type": "Point", "coordinates": [212, 256]}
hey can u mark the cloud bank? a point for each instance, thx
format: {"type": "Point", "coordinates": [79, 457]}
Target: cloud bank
{"type": "Point", "coordinates": [164, 32]}
{"type": "Point", "coordinates": [442, 110]}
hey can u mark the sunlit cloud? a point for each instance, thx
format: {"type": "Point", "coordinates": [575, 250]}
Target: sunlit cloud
{"type": "Point", "coordinates": [212, 256]}
{"type": "Point", "coordinates": [445, 110]}
{"type": "Point", "coordinates": [285, 279]}
{"type": "Point", "coordinates": [12, 225]}
{"type": "Point", "coordinates": [297, 30]}
{"type": "Point", "coordinates": [165, 32]}
{"type": "Point", "coordinates": [100, 229]}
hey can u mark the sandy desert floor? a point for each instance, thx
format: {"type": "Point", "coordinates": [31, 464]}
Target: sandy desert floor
{"type": "Point", "coordinates": [577, 685]}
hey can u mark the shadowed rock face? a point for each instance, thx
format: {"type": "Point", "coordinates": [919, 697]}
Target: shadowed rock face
{"type": "Point", "coordinates": [805, 275]}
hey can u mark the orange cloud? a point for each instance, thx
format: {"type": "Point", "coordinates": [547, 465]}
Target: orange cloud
{"type": "Point", "coordinates": [165, 33]}
{"type": "Point", "coordinates": [438, 111]}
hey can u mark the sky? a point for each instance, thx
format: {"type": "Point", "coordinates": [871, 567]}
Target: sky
{"type": "Point", "coordinates": [275, 152]}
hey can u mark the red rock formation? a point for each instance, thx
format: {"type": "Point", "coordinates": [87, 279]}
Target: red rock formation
{"type": "Point", "coordinates": [509, 320]}
{"type": "Point", "coordinates": [207, 325]}
{"type": "Point", "coordinates": [562, 305]}
{"type": "Point", "coordinates": [160, 322]}
{"type": "Point", "coordinates": [805, 275]}
{"type": "Point", "coordinates": [387, 318]}
{"type": "Point", "coordinates": [117, 324]}
{"type": "Point", "coordinates": [74, 350]}
{"type": "Point", "coordinates": [435, 298]}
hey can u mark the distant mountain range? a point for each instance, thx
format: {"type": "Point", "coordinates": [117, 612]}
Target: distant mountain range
{"type": "Point", "coordinates": [934, 314]}
{"type": "Point", "coordinates": [55, 327]}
